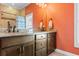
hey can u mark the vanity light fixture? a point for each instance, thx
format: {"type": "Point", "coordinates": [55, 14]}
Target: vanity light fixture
{"type": "Point", "coordinates": [43, 5]}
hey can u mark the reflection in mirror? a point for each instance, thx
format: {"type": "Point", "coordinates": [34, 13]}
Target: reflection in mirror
{"type": "Point", "coordinates": [20, 21]}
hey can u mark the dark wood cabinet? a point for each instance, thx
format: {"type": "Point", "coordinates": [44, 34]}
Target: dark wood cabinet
{"type": "Point", "coordinates": [44, 52]}
{"type": "Point", "coordinates": [28, 49]}
{"type": "Point", "coordinates": [51, 42]}
{"type": "Point", "coordinates": [41, 52]}
{"type": "Point", "coordinates": [41, 40]}
{"type": "Point", "coordinates": [38, 53]}
{"type": "Point", "coordinates": [39, 44]}
{"type": "Point", "coordinates": [11, 51]}
{"type": "Point", "coordinates": [18, 46]}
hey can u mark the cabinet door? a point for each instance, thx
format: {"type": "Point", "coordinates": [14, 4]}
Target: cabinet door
{"type": "Point", "coordinates": [41, 40]}
{"type": "Point", "coordinates": [11, 51]}
{"type": "Point", "coordinates": [51, 42]}
{"type": "Point", "coordinates": [40, 44]}
{"type": "Point", "coordinates": [39, 53]}
{"type": "Point", "coordinates": [44, 52]}
{"type": "Point", "coordinates": [28, 49]}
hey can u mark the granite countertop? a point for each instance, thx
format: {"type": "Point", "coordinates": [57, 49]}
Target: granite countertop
{"type": "Point", "coordinates": [12, 34]}
{"type": "Point", "coordinates": [39, 32]}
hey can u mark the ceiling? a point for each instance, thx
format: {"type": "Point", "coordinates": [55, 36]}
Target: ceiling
{"type": "Point", "coordinates": [17, 5]}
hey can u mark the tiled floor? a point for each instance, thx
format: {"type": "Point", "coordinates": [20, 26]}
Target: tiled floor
{"type": "Point", "coordinates": [56, 54]}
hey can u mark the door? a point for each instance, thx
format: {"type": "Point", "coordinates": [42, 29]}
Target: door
{"type": "Point", "coordinates": [11, 51]}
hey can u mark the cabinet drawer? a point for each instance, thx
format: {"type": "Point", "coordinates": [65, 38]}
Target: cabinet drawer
{"type": "Point", "coordinates": [40, 44]}
{"type": "Point", "coordinates": [41, 36]}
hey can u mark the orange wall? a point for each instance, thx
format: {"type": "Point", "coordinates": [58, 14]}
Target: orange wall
{"type": "Point", "coordinates": [63, 16]}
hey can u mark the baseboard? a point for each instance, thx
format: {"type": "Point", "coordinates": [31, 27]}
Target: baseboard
{"type": "Point", "coordinates": [65, 52]}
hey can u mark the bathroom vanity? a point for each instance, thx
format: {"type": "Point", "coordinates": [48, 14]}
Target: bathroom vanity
{"type": "Point", "coordinates": [23, 44]}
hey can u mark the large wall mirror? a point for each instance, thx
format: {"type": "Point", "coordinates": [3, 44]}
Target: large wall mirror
{"type": "Point", "coordinates": [25, 23]}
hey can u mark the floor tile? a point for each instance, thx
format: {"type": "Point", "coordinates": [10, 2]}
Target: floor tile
{"type": "Point", "coordinates": [56, 54]}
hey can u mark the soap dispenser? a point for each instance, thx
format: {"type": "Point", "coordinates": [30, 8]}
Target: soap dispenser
{"type": "Point", "coordinates": [42, 27]}
{"type": "Point", "coordinates": [9, 26]}
{"type": "Point", "coordinates": [50, 24]}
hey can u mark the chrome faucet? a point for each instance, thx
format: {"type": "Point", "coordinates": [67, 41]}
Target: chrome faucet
{"type": "Point", "coordinates": [9, 27]}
